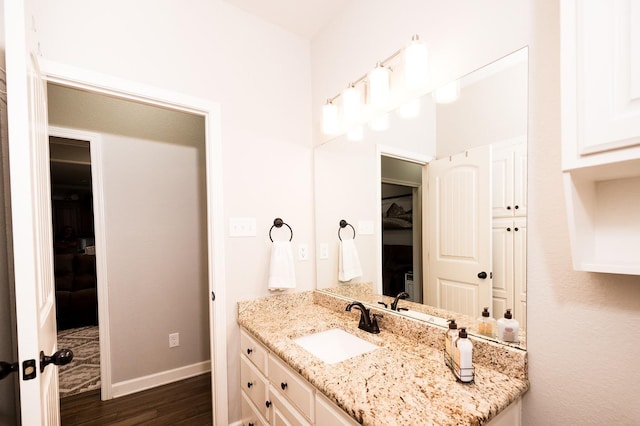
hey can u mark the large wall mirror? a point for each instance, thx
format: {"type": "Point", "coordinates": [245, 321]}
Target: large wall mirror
{"type": "Point", "coordinates": [436, 202]}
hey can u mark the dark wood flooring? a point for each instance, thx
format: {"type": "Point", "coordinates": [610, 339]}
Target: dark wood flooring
{"type": "Point", "coordinates": [183, 403]}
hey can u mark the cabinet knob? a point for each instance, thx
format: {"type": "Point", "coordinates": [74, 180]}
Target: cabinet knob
{"type": "Point", "coordinates": [508, 229]}
{"type": "Point", "coordinates": [515, 229]}
{"type": "Point", "coordinates": [508, 207]}
{"type": "Point", "coordinates": [283, 385]}
{"type": "Point", "coordinates": [251, 424]}
{"type": "Point", "coordinates": [268, 404]}
{"type": "Point", "coordinates": [249, 350]}
{"type": "Point", "coordinates": [249, 384]}
{"type": "Point", "coordinates": [516, 207]}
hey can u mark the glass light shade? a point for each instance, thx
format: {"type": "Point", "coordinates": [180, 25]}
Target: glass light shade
{"type": "Point", "coordinates": [351, 105]}
{"type": "Point", "coordinates": [410, 109]}
{"type": "Point", "coordinates": [416, 64]}
{"type": "Point", "coordinates": [355, 133]}
{"type": "Point", "coordinates": [380, 123]}
{"type": "Point", "coordinates": [329, 119]}
{"type": "Point", "coordinates": [379, 86]}
{"type": "Point", "coordinates": [447, 93]}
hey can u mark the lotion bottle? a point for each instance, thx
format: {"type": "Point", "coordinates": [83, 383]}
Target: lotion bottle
{"type": "Point", "coordinates": [464, 357]}
{"type": "Point", "coordinates": [450, 341]}
{"type": "Point", "coordinates": [508, 328]}
{"type": "Point", "coordinates": [487, 325]}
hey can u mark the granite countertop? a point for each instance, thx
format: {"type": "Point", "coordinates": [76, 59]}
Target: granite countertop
{"type": "Point", "coordinates": [405, 381]}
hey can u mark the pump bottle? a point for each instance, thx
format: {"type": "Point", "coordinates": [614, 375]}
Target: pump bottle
{"type": "Point", "coordinates": [450, 340]}
{"type": "Point", "coordinates": [487, 325]}
{"type": "Point", "coordinates": [508, 328]}
{"type": "Point", "coordinates": [464, 357]}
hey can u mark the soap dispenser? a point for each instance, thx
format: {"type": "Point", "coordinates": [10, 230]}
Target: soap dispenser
{"type": "Point", "coordinates": [464, 357]}
{"type": "Point", "coordinates": [508, 328]}
{"type": "Point", "coordinates": [487, 325]}
{"type": "Point", "coordinates": [450, 341]}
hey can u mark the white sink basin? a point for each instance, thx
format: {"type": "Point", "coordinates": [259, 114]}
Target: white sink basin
{"type": "Point", "coordinates": [426, 317]}
{"type": "Point", "coordinates": [335, 345]}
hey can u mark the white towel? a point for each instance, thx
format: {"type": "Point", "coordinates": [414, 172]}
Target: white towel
{"type": "Point", "coordinates": [348, 261]}
{"type": "Point", "coordinates": [281, 269]}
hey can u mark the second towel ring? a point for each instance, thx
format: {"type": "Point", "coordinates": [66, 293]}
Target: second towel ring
{"type": "Point", "coordinates": [344, 224]}
{"type": "Point", "coordinates": [277, 223]}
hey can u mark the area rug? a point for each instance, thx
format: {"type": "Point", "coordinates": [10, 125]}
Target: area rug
{"type": "Point", "coordinates": [82, 374]}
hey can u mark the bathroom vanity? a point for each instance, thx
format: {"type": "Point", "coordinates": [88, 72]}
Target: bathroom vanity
{"type": "Point", "coordinates": [403, 381]}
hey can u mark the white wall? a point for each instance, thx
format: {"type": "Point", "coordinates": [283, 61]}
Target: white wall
{"type": "Point", "coordinates": [581, 352]}
{"type": "Point", "coordinates": [153, 189]}
{"type": "Point", "coordinates": [259, 74]}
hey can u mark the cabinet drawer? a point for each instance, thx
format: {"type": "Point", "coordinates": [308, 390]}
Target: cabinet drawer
{"type": "Point", "coordinates": [292, 386]}
{"type": "Point", "coordinates": [327, 413]}
{"type": "Point", "coordinates": [254, 385]}
{"type": "Point", "coordinates": [250, 416]}
{"type": "Point", "coordinates": [254, 351]}
{"type": "Point", "coordinates": [283, 413]}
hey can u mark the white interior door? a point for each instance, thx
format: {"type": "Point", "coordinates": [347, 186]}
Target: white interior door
{"type": "Point", "coordinates": [31, 220]}
{"type": "Point", "coordinates": [459, 233]}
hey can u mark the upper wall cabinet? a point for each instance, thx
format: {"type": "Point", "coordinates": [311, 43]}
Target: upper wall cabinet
{"type": "Point", "coordinates": [601, 132]}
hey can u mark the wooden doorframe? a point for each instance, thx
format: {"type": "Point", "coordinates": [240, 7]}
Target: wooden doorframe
{"type": "Point", "coordinates": [104, 84]}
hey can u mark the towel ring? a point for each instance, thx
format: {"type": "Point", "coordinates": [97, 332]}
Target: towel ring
{"type": "Point", "coordinates": [277, 223]}
{"type": "Point", "coordinates": [344, 224]}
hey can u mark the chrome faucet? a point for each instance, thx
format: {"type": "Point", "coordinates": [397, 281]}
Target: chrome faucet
{"type": "Point", "coordinates": [367, 323]}
{"type": "Point", "coordinates": [394, 304]}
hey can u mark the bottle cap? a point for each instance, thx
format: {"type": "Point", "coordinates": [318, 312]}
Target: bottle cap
{"type": "Point", "coordinates": [463, 332]}
{"type": "Point", "coordinates": [452, 324]}
{"type": "Point", "coordinates": [485, 312]}
{"type": "Point", "coordinates": [507, 314]}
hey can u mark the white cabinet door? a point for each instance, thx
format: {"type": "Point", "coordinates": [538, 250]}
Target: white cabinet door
{"type": "Point", "coordinates": [600, 81]}
{"type": "Point", "coordinates": [509, 179]}
{"type": "Point", "coordinates": [509, 268]}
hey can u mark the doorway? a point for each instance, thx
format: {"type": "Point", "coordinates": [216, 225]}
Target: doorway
{"type": "Point", "coordinates": [75, 264]}
{"type": "Point", "coordinates": [401, 205]}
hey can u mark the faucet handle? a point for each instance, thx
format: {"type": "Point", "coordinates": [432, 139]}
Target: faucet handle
{"type": "Point", "coordinates": [374, 323]}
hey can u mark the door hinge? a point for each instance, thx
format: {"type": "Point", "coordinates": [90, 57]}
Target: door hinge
{"type": "Point", "coordinates": [213, 296]}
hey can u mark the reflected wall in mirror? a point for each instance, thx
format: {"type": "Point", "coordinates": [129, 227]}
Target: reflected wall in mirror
{"type": "Point", "coordinates": [445, 193]}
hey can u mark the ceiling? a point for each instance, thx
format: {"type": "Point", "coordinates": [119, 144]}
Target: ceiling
{"type": "Point", "coordinates": [302, 17]}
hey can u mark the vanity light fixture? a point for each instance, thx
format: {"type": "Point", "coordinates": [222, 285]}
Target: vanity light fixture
{"type": "Point", "coordinates": [379, 93]}
{"type": "Point", "coordinates": [379, 86]}
{"type": "Point", "coordinates": [448, 93]}
{"type": "Point", "coordinates": [330, 118]}
{"type": "Point", "coordinates": [416, 64]}
{"type": "Point", "coordinates": [351, 105]}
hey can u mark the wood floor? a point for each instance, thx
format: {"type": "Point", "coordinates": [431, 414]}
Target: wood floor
{"type": "Point", "coordinates": [187, 402]}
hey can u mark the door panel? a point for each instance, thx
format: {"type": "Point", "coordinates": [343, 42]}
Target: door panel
{"type": "Point", "coordinates": [31, 219]}
{"type": "Point", "coordinates": [460, 232]}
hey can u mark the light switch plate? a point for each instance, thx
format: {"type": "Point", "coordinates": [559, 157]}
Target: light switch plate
{"type": "Point", "coordinates": [242, 227]}
{"type": "Point", "coordinates": [324, 251]}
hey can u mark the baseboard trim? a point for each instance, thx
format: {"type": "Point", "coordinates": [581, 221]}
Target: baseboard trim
{"type": "Point", "coordinates": [158, 379]}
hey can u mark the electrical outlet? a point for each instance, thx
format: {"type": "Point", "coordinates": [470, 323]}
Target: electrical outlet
{"type": "Point", "coordinates": [303, 252]}
{"type": "Point", "coordinates": [174, 340]}
{"type": "Point", "coordinates": [324, 251]}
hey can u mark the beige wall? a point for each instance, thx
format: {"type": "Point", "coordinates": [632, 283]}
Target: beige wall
{"type": "Point", "coordinates": [582, 334]}
{"type": "Point", "coordinates": [153, 188]}
{"type": "Point", "coordinates": [258, 73]}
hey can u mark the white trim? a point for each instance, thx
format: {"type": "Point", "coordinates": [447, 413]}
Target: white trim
{"type": "Point", "coordinates": [95, 143]}
{"type": "Point", "coordinates": [158, 379]}
{"type": "Point", "coordinates": [100, 83]}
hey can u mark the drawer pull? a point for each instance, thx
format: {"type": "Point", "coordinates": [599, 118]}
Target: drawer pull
{"type": "Point", "coordinates": [283, 385]}
{"type": "Point", "coordinates": [249, 350]}
{"type": "Point", "coordinates": [249, 384]}
{"type": "Point", "coordinates": [268, 404]}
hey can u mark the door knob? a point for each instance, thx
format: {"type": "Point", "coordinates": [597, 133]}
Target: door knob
{"type": "Point", "coordinates": [61, 357]}
{"type": "Point", "coordinates": [482, 275]}
{"type": "Point", "coordinates": [7, 368]}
